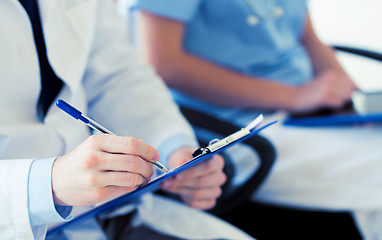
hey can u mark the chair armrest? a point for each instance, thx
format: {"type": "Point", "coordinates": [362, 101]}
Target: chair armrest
{"type": "Point", "coordinates": [358, 51]}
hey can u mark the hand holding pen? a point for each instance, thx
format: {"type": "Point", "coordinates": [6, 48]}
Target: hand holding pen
{"type": "Point", "coordinates": [94, 125]}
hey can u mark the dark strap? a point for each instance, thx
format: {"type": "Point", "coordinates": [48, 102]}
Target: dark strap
{"type": "Point", "coordinates": [51, 84]}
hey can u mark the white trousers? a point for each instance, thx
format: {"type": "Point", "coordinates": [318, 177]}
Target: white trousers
{"type": "Point", "coordinates": [330, 168]}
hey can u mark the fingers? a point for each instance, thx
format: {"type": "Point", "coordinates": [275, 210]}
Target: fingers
{"type": "Point", "coordinates": [339, 86]}
{"type": "Point", "coordinates": [216, 163]}
{"type": "Point", "coordinates": [204, 204]}
{"type": "Point", "coordinates": [339, 96]}
{"type": "Point", "coordinates": [197, 196]}
{"type": "Point", "coordinates": [117, 179]}
{"type": "Point", "coordinates": [124, 145]}
{"type": "Point", "coordinates": [335, 99]}
{"type": "Point", "coordinates": [329, 89]}
{"type": "Point", "coordinates": [209, 181]}
{"type": "Point", "coordinates": [214, 179]}
{"type": "Point", "coordinates": [102, 167]}
{"type": "Point", "coordinates": [127, 163]}
{"type": "Point", "coordinates": [202, 199]}
{"type": "Point", "coordinates": [200, 186]}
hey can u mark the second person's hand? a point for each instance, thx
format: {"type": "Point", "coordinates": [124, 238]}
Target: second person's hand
{"type": "Point", "coordinates": [331, 89]}
{"type": "Point", "coordinates": [200, 186]}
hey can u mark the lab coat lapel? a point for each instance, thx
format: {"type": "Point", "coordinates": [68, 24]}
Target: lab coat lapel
{"type": "Point", "coordinates": [68, 28]}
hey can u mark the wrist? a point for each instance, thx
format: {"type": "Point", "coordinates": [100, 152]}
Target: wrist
{"type": "Point", "coordinates": [290, 99]}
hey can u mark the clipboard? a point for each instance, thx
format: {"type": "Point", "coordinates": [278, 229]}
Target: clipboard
{"type": "Point", "coordinates": [200, 155]}
{"type": "Point", "coordinates": [328, 117]}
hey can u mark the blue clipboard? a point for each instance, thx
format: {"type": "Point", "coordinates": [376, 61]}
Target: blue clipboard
{"type": "Point", "coordinates": [327, 117]}
{"type": "Point", "coordinates": [200, 155]}
{"type": "Point", "coordinates": [347, 119]}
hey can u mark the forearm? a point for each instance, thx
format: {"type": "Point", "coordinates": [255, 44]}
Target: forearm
{"type": "Point", "coordinates": [323, 58]}
{"type": "Point", "coordinates": [216, 84]}
{"type": "Point", "coordinates": [197, 77]}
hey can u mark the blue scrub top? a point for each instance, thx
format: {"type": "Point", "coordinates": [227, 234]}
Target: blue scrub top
{"type": "Point", "coordinates": [219, 31]}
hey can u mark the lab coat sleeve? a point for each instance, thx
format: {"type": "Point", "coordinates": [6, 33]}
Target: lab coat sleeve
{"type": "Point", "coordinates": [42, 210]}
{"type": "Point", "coordinates": [126, 95]}
{"type": "Point", "coordinates": [14, 220]}
{"type": "Point", "coordinates": [15, 195]}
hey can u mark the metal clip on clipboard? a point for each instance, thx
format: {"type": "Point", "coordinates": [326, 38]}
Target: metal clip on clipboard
{"type": "Point", "coordinates": [217, 144]}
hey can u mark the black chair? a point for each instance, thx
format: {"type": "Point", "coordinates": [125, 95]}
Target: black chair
{"type": "Point", "coordinates": [358, 51]}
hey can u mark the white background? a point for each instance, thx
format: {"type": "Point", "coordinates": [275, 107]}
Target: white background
{"type": "Point", "coordinates": [356, 23]}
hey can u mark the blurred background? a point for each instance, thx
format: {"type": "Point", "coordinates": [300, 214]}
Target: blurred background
{"type": "Point", "coordinates": [354, 23]}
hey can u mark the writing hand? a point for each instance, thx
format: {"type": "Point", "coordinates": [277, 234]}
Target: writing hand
{"type": "Point", "coordinates": [101, 168]}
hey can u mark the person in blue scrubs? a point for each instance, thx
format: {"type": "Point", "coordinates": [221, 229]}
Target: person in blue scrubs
{"type": "Point", "coordinates": [230, 57]}
{"type": "Point", "coordinates": [234, 59]}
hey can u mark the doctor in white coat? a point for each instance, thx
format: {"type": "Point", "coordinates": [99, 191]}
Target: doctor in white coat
{"type": "Point", "coordinates": [48, 166]}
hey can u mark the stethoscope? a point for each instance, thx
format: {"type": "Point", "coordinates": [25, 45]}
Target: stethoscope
{"type": "Point", "coordinates": [270, 11]}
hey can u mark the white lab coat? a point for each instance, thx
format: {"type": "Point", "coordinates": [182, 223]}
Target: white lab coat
{"type": "Point", "coordinates": [85, 40]}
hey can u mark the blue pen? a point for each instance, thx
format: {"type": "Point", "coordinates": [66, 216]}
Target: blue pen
{"type": "Point", "coordinates": [66, 107]}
